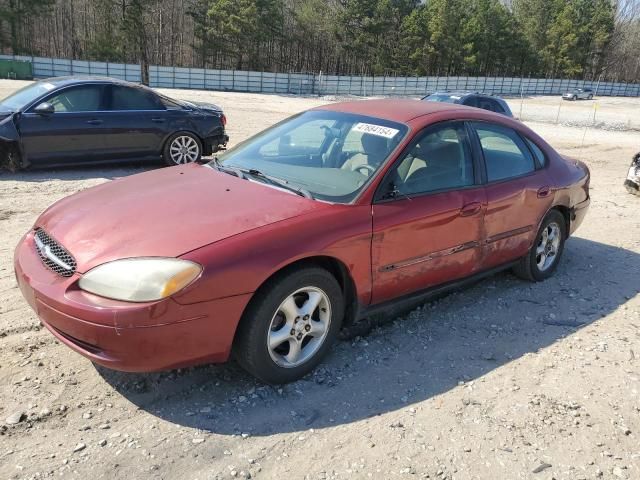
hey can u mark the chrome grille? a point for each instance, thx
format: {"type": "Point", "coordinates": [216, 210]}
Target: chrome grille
{"type": "Point", "coordinates": [53, 255]}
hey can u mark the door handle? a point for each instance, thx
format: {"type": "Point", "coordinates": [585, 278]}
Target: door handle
{"type": "Point", "coordinates": [94, 121]}
{"type": "Point", "coordinates": [544, 192]}
{"type": "Point", "coordinates": [470, 209]}
{"type": "Point", "coordinates": [158, 120]}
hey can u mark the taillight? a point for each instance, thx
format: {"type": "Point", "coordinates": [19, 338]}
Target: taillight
{"type": "Point", "coordinates": [223, 119]}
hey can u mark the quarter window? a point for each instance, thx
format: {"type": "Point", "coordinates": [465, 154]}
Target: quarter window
{"type": "Point", "coordinates": [78, 99]}
{"type": "Point", "coordinates": [537, 152]}
{"type": "Point", "coordinates": [440, 160]}
{"type": "Point", "coordinates": [505, 154]}
{"type": "Point", "coordinates": [128, 98]}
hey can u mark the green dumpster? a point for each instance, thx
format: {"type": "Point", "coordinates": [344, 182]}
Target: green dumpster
{"type": "Point", "coordinates": [16, 69]}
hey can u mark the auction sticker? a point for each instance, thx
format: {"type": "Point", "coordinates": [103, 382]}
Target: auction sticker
{"type": "Point", "coordinates": [378, 130]}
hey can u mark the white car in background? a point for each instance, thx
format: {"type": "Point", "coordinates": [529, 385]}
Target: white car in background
{"type": "Point", "coordinates": [578, 93]}
{"type": "Point", "coordinates": [632, 183]}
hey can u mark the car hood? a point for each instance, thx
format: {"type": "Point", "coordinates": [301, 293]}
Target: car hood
{"type": "Point", "coordinates": [166, 213]}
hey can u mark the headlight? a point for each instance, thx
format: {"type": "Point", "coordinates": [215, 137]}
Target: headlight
{"type": "Point", "coordinates": [140, 279]}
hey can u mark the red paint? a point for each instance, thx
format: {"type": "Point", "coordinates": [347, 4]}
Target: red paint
{"type": "Point", "coordinates": [243, 232]}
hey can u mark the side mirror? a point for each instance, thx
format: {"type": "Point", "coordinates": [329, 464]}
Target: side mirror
{"type": "Point", "coordinates": [44, 109]}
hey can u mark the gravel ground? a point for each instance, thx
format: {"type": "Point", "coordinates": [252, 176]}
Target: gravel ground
{"type": "Point", "coordinates": [504, 380]}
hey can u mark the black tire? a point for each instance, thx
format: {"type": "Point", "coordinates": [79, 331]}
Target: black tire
{"type": "Point", "coordinates": [528, 268]}
{"type": "Point", "coordinates": [251, 348]}
{"type": "Point", "coordinates": [590, 97]}
{"type": "Point", "coordinates": [166, 151]}
{"type": "Point", "coordinates": [574, 98]}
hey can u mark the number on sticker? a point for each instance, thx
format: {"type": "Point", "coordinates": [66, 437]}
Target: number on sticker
{"type": "Point", "coordinates": [378, 130]}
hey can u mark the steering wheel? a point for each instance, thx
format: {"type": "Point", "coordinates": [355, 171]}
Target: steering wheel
{"type": "Point", "coordinates": [365, 169]}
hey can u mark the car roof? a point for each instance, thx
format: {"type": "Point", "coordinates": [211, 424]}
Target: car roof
{"type": "Point", "coordinates": [398, 110]}
{"type": "Point", "coordinates": [84, 79]}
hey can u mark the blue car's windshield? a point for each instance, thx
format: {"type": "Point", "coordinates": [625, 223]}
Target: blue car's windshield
{"type": "Point", "coordinates": [331, 155]}
{"type": "Point", "coordinates": [25, 96]}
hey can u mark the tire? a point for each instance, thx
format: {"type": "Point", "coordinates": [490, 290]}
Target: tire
{"type": "Point", "coordinates": [182, 148]}
{"type": "Point", "coordinates": [263, 343]}
{"type": "Point", "coordinates": [538, 265]}
{"type": "Point", "coordinates": [10, 158]}
{"type": "Point", "coordinates": [574, 98]}
{"type": "Point", "coordinates": [590, 97]}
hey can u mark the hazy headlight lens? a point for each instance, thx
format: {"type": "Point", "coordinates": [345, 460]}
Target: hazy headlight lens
{"type": "Point", "coordinates": [140, 279]}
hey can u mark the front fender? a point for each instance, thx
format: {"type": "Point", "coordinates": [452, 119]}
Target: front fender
{"type": "Point", "coordinates": [242, 263]}
{"type": "Point", "coordinates": [8, 129]}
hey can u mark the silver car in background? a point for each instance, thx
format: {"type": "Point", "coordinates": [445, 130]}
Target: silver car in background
{"type": "Point", "coordinates": [578, 93]}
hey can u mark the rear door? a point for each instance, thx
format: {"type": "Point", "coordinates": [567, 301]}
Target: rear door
{"type": "Point", "coordinates": [73, 133]}
{"type": "Point", "coordinates": [137, 123]}
{"type": "Point", "coordinates": [518, 193]}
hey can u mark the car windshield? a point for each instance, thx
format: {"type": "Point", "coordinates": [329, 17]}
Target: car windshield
{"type": "Point", "coordinates": [330, 155]}
{"type": "Point", "coordinates": [25, 96]}
{"type": "Point", "coordinates": [443, 97]}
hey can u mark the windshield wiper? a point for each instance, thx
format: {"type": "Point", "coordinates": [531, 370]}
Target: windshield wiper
{"type": "Point", "coordinates": [278, 182]}
{"type": "Point", "coordinates": [230, 170]}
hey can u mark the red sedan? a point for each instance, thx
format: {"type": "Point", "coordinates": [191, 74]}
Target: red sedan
{"type": "Point", "coordinates": [313, 224]}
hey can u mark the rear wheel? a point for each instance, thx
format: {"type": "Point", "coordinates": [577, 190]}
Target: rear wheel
{"type": "Point", "coordinates": [181, 148]}
{"type": "Point", "coordinates": [290, 325]}
{"type": "Point", "coordinates": [590, 97]}
{"type": "Point", "coordinates": [543, 258]}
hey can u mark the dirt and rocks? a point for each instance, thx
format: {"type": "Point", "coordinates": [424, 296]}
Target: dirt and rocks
{"type": "Point", "coordinates": [503, 380]}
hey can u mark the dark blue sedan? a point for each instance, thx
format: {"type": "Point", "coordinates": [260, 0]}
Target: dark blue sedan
{"type": "Point", "coordinates": [87, 120]}
{"type": "Point", "coordinates": [472, 99]}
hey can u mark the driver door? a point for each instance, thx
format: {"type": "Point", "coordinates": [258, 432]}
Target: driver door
{"type": "Point", "coordinates": [74, 132]}
{"type": "Point", "coordinates": [428, 215]}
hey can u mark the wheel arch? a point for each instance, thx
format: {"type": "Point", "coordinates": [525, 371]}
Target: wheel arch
{"type": "Point", "coordinates": [566, 213]}
{"type": "Point", "coordinates": [182, 130]}
{"type": "Point", "coordinates": [331, 264]}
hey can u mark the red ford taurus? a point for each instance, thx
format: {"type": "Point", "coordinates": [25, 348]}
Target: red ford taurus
{"type": "Point", "coordinates": [313, 224]}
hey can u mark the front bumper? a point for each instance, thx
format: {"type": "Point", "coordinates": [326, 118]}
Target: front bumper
{"type": "Point", "coordinates": [136, 337]}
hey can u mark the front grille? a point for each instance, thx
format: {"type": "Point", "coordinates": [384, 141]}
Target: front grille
{"type": "Point", "coordinates": [53, 255]}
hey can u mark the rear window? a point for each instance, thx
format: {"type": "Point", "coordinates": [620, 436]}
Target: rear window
{"type": "Point", "coordinates": [505, 153]}
{"type": "Point", "coordinates": [128, 98]}
{"type": "Point", "coordinates": [438, 97]}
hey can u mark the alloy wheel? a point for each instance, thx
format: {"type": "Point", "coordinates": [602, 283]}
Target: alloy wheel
{"type": "Point", "coordinates": [299, 327]}
{"type": "Point", "coordinates": [548, 246]}
{"type": "Point", "coordinates": [184, 149]}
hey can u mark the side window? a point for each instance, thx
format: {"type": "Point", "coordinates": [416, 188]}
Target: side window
{"type": "Point", "coordinates": [505, 154]}
{"type": "Point", "coordinates": [87, 98]}
{"type": "Point", "coordinates": [471, 102]}
{"type": "Point", "coordinates": [130, 98]}
{"type": "Point", "coordinates": [440, 160]}
{"type": "Point", "coordinates": [537, 152]}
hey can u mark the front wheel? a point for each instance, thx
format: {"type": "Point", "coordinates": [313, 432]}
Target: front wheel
{"type": "Point", "coordinates": [181, 148]}
{"type": "Point", "coordinates": [290, 325]}
{"type": "Point", "coordinates": [543, 257]}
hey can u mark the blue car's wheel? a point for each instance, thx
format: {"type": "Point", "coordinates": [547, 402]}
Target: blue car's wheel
{"type": "Point", "coordinates": [182, 148]}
